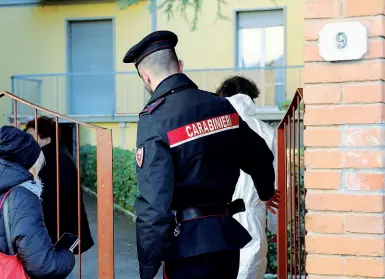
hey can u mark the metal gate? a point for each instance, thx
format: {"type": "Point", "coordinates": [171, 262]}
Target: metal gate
{"type": "Point", "coordinates": [104, 184]}
{"type": "Point", "coordinates": [291, 230]}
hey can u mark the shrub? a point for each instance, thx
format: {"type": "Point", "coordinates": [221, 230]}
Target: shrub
{"type": "Point", "coordinates": [125, 184]}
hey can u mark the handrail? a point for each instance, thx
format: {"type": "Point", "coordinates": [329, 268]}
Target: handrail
{"type": "Point", "coordinates": [104, 178]}
{"type": "Point", "coordinates": [37, 107]}
{"type": "Point", "coordinates": [21, 76]}
{"type": "Point", "coordinates": [294, 104]}
{"type": "Point", "coordinates": [290, 236]}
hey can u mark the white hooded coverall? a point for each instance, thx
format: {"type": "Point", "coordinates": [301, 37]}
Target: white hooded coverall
{"type": "Point", "coordinates": [253, 259]}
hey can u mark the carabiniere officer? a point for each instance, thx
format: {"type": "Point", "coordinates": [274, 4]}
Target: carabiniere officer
{"type": "Point", "coordinates": [191, 146]}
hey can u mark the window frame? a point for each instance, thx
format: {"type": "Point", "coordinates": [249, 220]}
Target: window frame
{"type": "Point", "coordinates": [237, 12]}
{"type": "Point", "coordinates": [237, 44]}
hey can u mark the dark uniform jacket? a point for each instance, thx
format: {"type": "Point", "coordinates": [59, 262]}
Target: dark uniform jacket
{"type": "Point", "coordinates": [28, 232]}
{"type": "Point", "coordinates": [191, 146]}
{"type": "Point", "coordinates": [68, 197]}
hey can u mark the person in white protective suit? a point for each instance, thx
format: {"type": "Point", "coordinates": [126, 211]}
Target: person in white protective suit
{"type": "Point", "coordinates": [241, 93]}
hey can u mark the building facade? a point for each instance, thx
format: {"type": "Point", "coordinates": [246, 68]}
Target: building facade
{"type": "Point", "coordinates": [67, 55]}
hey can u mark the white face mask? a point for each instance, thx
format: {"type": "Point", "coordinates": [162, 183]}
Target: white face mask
{"type": "Point", "coordinates": [39, 164]}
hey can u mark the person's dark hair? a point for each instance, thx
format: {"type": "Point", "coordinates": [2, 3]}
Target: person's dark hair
{"type": "Point", "coordinates": [46, 127]}
{"type": "Point", "coordinates": [162, 61]}
{"type": "Point", "coordinates": [237, 84]}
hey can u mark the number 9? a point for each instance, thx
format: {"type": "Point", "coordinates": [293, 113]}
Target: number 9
{"type": "Point", "coordinates": [341, 39]}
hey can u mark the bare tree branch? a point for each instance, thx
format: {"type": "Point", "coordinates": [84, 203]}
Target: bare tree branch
{"type": "Point", "coordinates": [169, 7]}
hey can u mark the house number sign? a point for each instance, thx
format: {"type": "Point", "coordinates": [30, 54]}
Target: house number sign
{"type": "Point", "coordinates": [343, 41]}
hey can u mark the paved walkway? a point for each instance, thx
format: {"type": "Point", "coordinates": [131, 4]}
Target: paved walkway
{"type": "Point", "coordinates": [126, 264]}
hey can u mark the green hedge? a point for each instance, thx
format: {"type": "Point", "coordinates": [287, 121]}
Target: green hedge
{"type": "Point", "coordinates": [125, 184]}
{"type": "Point", "coordinates": [126, 190]}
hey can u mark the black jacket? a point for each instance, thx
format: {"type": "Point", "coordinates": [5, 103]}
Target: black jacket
{"type": "Point", "coordinates": [68, 197]}
{"type": "Point", "coordinates": [191, 146]}
{"type": "Point", "coordinates": [28, 232]}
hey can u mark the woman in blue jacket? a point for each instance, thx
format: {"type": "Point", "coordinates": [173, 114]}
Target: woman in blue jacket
{"type": "Point", "coordinates": [20, 162]}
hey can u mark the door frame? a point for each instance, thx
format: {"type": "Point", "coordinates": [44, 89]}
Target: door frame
{"type": "Point", "coordinates": [68, 22]}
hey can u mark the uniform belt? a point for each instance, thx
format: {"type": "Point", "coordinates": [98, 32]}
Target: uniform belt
{"type": "Point", "coordinates": [210, 210]}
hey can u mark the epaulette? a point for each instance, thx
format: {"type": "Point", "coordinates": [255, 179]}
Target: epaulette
{"type": "Point", "coordinates": [151, 107]}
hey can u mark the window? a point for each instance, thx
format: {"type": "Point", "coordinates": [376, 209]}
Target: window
{"type": "Point", "coordinates": [261, 43]}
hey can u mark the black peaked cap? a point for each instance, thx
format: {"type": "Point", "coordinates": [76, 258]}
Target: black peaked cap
{"type": "Point", "coordinates": [151, 43]}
